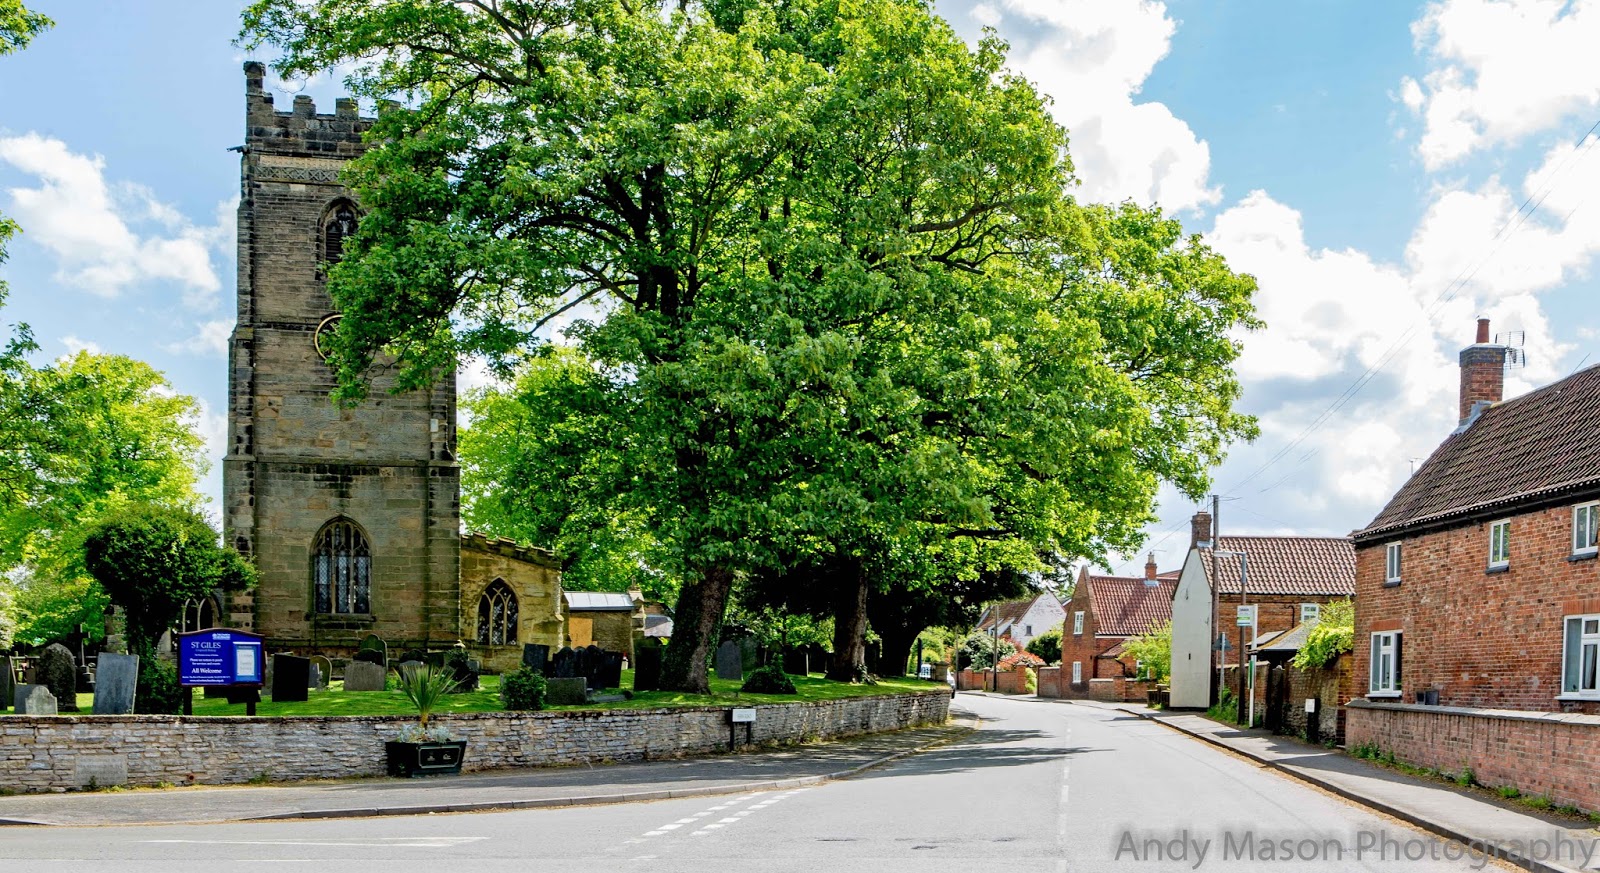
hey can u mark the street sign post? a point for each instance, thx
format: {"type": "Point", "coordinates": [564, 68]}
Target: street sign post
{"type": "Point", "coordinates": [1247, 615]}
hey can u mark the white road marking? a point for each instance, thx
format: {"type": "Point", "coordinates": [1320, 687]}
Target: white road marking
{"type": "Point", "coordinates": [369, 843]}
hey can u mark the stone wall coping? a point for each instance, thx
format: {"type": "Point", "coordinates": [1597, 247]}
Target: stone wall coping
{"type": "Point", "coordinates": [637, 712]}
{"type": "Point", "coordinates": [1573, 718]}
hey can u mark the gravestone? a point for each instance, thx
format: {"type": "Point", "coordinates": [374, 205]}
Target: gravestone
{"type": "Point", "coordinates": [647, 667]}
{"type": "Point", "coordinates": [588, 665]}
{"type": "Point", "coordinates": [58, 671]}
{"type": "Point", "coordinates": [567, 691]}
{"type": "Point", "coordinates": [8, 681]}
{"type": "Point", "coordinates": [410, 665]}
{"type": "Point", "coordinates": [116, 680]}
{"type": "Point", "coordinates": [730, 661]}
{"type": "Point", "coordinates": [795, 662]}
{"type": "Point", "coordinates": [38, 701]}
{"type": "Point", "coordinates": [164, 646]}
{"type": "Point", "coordinates": [416, 655]}
{"type": "Point", "coordinates": [535, 656]}
{"type": "Point", "coordinates": [610, 674]}
{"type": "Point", "coordinates": [291, 678]}
{"type": "Point", "coordinates": [324, 671]}
{"type": "Point", "coordinates": [373, 650]}
{"type": "Point", "coordinates": [562, 664]}
{"type": "Point", "coordinates": [314, 681]}
{"type": "Point", "coordinates": [19, 693]}
{"type": "Point", "coordinates": [364, 676]}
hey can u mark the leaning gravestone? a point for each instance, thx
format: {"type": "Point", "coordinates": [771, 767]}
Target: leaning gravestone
{"type": "Point", "coordinates": [646, 667]}
{"type": "Point", "coordinates": [20, 693]}
{"type": "Point", "coordinates": [38, 701]}
{"type": "Point", "coordinates": [8, 681]}
{"type": "Point", "coordinates": [730, 661]}
{"type": "Point", "coordinates": [58, 671]}
{"type": "Point", "coordinates": [566, 691]}
{"type": "Point", "coordinates": [363, 676]}
{"type": "Point", "coordinates": [323, 668]}
{"type": "Point", "coordinates": [291, 678]}
{"type": "Point", "coordinates": [116, 679]}
{"type": "Point", "coordinates": [535, 656]}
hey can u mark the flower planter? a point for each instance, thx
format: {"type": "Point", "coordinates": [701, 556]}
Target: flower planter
{"type": "Point", "coordinates": [425, 759]}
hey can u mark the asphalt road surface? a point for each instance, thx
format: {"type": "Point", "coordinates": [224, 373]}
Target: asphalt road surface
{"type": "Point", "coordinates": [1041, 786]}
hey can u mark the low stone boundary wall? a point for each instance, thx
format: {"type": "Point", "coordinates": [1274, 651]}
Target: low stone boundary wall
{"type": "Point", "coordinates": [56, 753]}
{"type": "Point", "coordinates": [1539, 753]}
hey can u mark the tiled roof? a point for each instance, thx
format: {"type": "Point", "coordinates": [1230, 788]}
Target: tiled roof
{"type": "Point", "coordinates": [1291, 640]}
{"type": "Point", "coordinates": [1541, 444]}
{"type": "Point", "coordinates": [1124, 606]}
{"type": "Point", "coordinates": [1011, 611]}
{"type": "Point", "coordinates": [1287, 565]}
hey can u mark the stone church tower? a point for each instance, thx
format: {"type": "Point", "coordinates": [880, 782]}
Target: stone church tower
{"type": "Point", "coordinates": [351, 515]}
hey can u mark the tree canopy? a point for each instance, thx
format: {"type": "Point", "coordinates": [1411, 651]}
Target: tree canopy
{"type": "Point", "coordinates": [835, 302]}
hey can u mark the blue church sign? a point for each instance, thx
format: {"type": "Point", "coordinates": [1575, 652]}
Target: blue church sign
{"type": "Point", "coordinates": [220, 657]}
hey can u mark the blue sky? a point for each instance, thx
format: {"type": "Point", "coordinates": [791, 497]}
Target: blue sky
{"type": "Point", "coordinates": [1365, 160]}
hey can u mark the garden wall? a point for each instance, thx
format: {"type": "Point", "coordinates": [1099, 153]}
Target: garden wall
{"type": "Point", "coordinates": [54, 753]}
{"type": "Point", "coordinates": [1540, 753]}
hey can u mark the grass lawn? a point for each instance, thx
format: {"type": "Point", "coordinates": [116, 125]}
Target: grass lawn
{"type": "Point", "coordinates": [337, 701]}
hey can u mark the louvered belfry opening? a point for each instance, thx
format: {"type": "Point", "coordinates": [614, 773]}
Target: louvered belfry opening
{"type": "Point", "coordinates": [342, 570]}
{"type": "Point", "coordinates": [497, 615]}
{"type": "Point", "coordinates": [339, 225]}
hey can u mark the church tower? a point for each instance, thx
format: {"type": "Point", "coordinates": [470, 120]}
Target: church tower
{"type": "Point", "coordinates": [351, 515]}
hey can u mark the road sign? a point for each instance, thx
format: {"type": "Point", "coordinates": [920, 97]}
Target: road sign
{"type": "Point", "coordinates": [1222, 644]}
{"type": "Point", "coordinates": [218, 657]}
{"type": "Point", "coordinates": [1247, 615]}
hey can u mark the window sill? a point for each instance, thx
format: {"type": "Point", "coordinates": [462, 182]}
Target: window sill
{"type": "Point", "coordinates": [1578, 698]}
{"type": "Point", "coordinates": [1387, 695]}
{"type": "Point", "coordinates": [1391, 583]}
{"type": "Point", "coordinates": [1583, 556]}
{"type": "Point", "coordinates": [1502, 568]}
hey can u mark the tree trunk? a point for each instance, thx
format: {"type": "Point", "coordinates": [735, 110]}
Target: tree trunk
{"type": "Point", "coordinates": [695, 624]}
{"type": "Point", "coordinates": [850, 628]}
{"type": "Point", "coordinates": [897, 645]}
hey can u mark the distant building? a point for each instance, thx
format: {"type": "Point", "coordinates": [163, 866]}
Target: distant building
{"type": "Point", "coordinates": [1104, 613]}
{"type": "Point", "coordinates": [1288, 579]}
{"type": "Point", "coordinates": [1021, 621]}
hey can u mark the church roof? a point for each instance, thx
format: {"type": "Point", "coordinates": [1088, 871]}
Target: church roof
{"type": "Point", "coordinates": [598, 601]}
{"type": "Point", "coordinates": [509, 548]}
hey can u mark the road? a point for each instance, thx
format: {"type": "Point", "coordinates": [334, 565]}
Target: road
{"type": "Point", "coordinates": [1041, 786]}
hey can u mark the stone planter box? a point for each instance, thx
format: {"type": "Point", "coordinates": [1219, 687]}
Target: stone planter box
{"type": "Point", "coordinates": [424, 759]}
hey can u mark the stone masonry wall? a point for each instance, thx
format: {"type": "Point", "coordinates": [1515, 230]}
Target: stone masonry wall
{"type": "Point", "coordinates": [1538, 753]}
{"type": "Point", "coordinates": [43, 753]}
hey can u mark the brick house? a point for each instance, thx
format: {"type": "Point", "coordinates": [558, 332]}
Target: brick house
{"type": "Point", "coordinates": [1477, 590]}
{"type": "Point", "coordinates": [1022, 620]}
{"type": "Point", "coordinates": [1104, 613]}
{"type": "Point", "coordinates": [1286, 578]}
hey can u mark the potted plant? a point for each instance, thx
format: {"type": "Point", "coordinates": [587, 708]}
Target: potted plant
{"type": "Point", "coordinates": [423, 750]}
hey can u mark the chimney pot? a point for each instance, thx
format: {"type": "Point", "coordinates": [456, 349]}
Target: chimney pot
{"type": "Point", "coordinates": [1200, 529]}
{"type": "Point", "coordinates": [1150, 568]}
{"type": "Point", "coordinates": [1483, 331]}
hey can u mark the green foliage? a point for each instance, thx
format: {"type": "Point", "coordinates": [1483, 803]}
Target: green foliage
{"type": "Point", "coordinates": [1047, 646]}
{"type": "Point", "coordinates": [158, 691]}
{"type": "Point", "coordinates": [1331, 636]}
{"type": "Point", "coordinates": [837, 302]}
{"type": "Point", "coordinates": [1225, 709]}
{"type": "Point", "coordinates": [1032, 682]}
{"type": "Point", "coordinates": [1509, 792]}
{"type": "Point", "coordinates": [150, 559]}
{"type": "Point", "coordinates": [1153, 651]}
{"type": "Point", "coordinates": [1537, 801]}
{"type": "Point", "coordinates": [769, 680]}
{"type": "Point", "coordinates": [18, 26]}
{"type": "Point", "coordinates": [522, 689]}
{"type": "Point", "coordinates": [1466, 778]}
{"type": "Point", "coordinates": [1364, 751]}
{"type": "Point", "coordinates": [981, 650]}
{"type": "Point", "coordinates": [425, 687]}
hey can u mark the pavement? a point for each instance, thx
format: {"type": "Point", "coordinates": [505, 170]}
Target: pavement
{"type": "Point", "coordinates": [1454, 813]}
{"type": "Point", "coordinates": [755, 770]}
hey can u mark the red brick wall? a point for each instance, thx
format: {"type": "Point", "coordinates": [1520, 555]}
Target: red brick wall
{"type": "Point", "coordinates": [1480, 638]}
{"type": "Point", "coordinates": [1050, 684]}
{"type": "Point", "coordinates": [1274, 612]}
{"type": "Point", "coordinates": [1086, 647]}
{"type": "Point", "coordinates": [1538, 754]}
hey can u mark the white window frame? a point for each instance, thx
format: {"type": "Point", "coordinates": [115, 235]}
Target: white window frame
{"type": "Point", "coordinates": [1584, 526]}
{"type": "Point", "coordinates": [1077, 624]}
{"type": "Point", "coordinates": [1027, 631]}
{"type": "Point", "coordinates": [1500, 544]}
{"type": "Point", "coordinates": [1077, 672]}
{"type": "Point", "coordinates": [1310, 612]}
{"type": "Point", "coordinates": [1580, 647]}
{"type": "Point", "coordinates": [1393, 557]}
{"type": "Point", "coordinates": [1385, 646]}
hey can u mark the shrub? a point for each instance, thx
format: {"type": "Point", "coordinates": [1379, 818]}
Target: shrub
{"type": "Point", "coordinates": [1509, 792]}
{"type": "Point", "coordinates": [979, 649]}
{"type": "Point", "coordinates": [1332, 635]}
{"type": "Point", "coordinates": [1032, 681]}
{"type": "Point", "coordinates": [1047, 646]}
{"type": "Point", "coordinates": [1020, 661]}
{"type": "Point", "coordinates": [1153, 651]}
{"type": "Point", "coordinates": [425, 687]}
{"type": "Point", "coordinates": [158, 691]}
{"type": "Point", "coordinates": [768, 680]}
{"type": "Point", "coordinates": [522, 689]}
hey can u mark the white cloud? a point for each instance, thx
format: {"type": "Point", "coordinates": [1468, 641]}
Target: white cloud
{"type": "Point", "coordinates": [1094, 57]}
{"type": "Point", "coordinates": [1504, 69]}
{"type": "Point", "coordinates": [75, 345]}
{"type": "Point", "coordinates": [210, 339]}
{"type": "Point", "coordinates": [88, 224]}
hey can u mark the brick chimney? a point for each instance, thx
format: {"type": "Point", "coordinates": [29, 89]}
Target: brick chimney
{"type": "Point", "coordinates": [1200, 528]}
{"type": "Point", "coordinates": [1483, 373]}
{"type": "Point", "coordinates": [1150, 570]}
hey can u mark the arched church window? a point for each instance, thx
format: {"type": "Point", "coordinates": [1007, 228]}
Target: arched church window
{"type": "Point", "coordinates": [497, 615]}
{"type": "Point", "coordinates": [199, 613]}
{"type": "Point", "coordinates": [337, 226]}
{"type": "Point", "coordinates": [341, 569]}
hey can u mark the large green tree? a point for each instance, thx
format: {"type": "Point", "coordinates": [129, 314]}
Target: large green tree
{"type": "Point", "coordinates": [842, 304]}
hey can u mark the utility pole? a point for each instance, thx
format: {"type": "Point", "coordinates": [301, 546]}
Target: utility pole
{"type": "Point", "coordinates": [1243, 601]}
{"type": "Point", "coordinates": [1217, 634]}
{"type": "Point", "coordinates": [994, 652]}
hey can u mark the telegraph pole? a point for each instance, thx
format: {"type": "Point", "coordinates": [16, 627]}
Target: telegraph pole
{"type": "Point", "coordinates": [1217, 634]}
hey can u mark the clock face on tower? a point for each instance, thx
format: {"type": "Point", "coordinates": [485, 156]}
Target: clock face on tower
{"type": "Point", "coordinates": [323, 338]}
